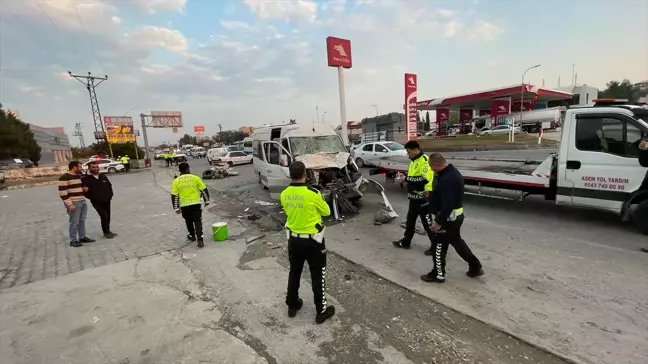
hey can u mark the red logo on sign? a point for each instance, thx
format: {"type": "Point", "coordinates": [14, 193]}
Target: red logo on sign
{"type": "Point", "coordinates": [338, 52]}
{"type": "Point", "coordinates": [411, 109]}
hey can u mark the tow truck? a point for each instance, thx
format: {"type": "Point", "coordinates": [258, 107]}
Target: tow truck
{"type": "Point", "coordinates": [601, 164]}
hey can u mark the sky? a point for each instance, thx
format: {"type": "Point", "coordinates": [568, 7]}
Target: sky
{"type": "Point", "coordinates": [253, 62]}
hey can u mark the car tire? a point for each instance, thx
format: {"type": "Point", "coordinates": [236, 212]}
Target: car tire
{"type": "Point", "coordinates": [360, 162]}
{"type": "Point", "coordinates": [230, 164]}
{"type": "Point", "coordinates": [640, 217]}
{"type": "Point", "coordinates": [112, 170]}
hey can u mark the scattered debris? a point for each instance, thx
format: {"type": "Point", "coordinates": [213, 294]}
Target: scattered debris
{"type": "Point", "coordinates": [95, 319]}
{"type": "Point", "coordinates": [264, 203]}
{"type": "Point", "coordinates": [254, 217]}
{"type": "Point", "coordinates": [254, 238]}
{"type": "Point", "coordinates": [219, 172]}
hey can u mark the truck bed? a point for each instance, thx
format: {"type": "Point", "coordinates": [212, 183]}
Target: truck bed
{"type": "Point", "coordinates": [493, 171]}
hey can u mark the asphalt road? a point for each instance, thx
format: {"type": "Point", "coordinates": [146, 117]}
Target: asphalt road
{"type": "Point", "coordinates": [571, 281]}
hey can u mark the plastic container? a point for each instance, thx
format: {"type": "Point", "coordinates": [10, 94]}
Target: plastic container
{"type": "Point", "coordinates": [219, 231]}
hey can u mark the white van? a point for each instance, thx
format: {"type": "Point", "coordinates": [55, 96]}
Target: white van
{"type": "Point", "coordinates": [317, 145]}
{"type": "Point", "coordinates": [246, 145]}
{"type": "Point", "coordinates": [216, 153]}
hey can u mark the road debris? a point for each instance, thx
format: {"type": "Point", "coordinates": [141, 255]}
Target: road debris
{"type": "Point", "coordinates": [219, 172]}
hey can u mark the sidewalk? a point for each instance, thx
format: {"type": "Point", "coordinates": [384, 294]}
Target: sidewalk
{"type": "Point", "coordinates": [165, 301]}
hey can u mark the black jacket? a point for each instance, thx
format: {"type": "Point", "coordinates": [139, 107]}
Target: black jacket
{"type": "Point", "coordinates": [447, 194]}
{"type": "Point", "coordinates": [99, 189]}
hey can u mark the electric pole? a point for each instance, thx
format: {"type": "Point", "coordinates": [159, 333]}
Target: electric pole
{"type": "Point", "coordinates": [79, 133]}
{"type": "Point", "coordinates": [90, 83]}
{"type": "Point", "coordinates": [220, 128]}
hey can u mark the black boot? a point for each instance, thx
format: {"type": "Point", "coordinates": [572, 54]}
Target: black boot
{"type": "Point", "coordinates": [292, 311]}
{"type": "Point", "coordinates": [401, 244]}
{"type": "Point", "coordinates": [432, 278]}
{"type": "Point", "coordinates": [200, 242]}
{"type": "Point", "coordinates": [429, 252]}
{"type": "Point", "coordinates": [327, 314]}
{"type": "Point", "coordinates": [75, 244]}
{"type": "Point", "coordinates": [191, 237]}
{"type": "Point", "coordinates": [474, 273]}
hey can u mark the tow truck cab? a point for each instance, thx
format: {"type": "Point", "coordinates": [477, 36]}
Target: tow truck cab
{"type": "Point", "coordinates": [598, 165]}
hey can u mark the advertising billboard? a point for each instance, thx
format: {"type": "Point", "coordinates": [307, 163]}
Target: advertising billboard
{"type": "Point", "coordinates": [119, 129]}
{"type": "Point", "coordinates": [166, 119]}
{"type": "Point", "coordinates": [338, 52]}
{"type": "Point", "coordinates": [199, 129]}
{"type": "Point", "coordinates": [410, 106]}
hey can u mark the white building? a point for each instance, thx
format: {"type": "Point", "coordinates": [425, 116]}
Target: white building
{"type": "Point", "coordinates": [583, 94]}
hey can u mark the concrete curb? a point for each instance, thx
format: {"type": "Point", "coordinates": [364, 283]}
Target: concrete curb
{"type": "Point", "coordinates": [47, 182]}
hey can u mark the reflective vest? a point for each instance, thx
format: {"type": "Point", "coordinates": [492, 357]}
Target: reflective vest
{"type": "Point", "coordinates": [304, 208]}
{"type": "Point", "coordinates": [419, 177]}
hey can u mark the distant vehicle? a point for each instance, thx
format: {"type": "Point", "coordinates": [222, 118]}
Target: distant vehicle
{"type": "Point", "coordinates": [180, 156]}
{"type": "Point", "coordinates": [16, 163]}
{"type": "Point", "coordinates": [231, 158]}
{"type": "Point", "coordinates": [365, 153]}
{"type": "Point", "coordinates": [500, 129]}
{"type": "Point", "coordinates": [105, 166]}
{"type": "Point", "coordinates": [187, 147]}
{"type": "Point", "coordinates": [198, 152]}
{"type": "Point", "coordinates": [234, 148]}
{"type": "Point", "coordinates": [99, 156]}
{"type": "Point", "coordinates": [245, 145]}
{"type": "Point", "coordinates": [159, 154]}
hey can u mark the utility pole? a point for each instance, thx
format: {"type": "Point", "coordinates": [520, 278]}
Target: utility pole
{"type": "Point", "coordinates": [90, 83]}
{"type": "Point", "coordinates": [79, 133]}
{"type": "Point", "coordinates": [220, 128]}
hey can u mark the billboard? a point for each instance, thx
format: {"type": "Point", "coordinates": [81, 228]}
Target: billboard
{"type": "Point", "coordinates": [338, 52]}
{"type": "Point", "coordinates": [500, 107]}
{"type": "Point", "coordinates": [410, 106]}
{"type": "Point", "coordinates": [166, 119]}
{"type": "Point", "coordinates": [199, 129]}
{"type": "Point", "coordinates": [119, 129]}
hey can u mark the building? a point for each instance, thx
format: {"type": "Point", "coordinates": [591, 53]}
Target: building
{"type": "Point", "coordinates": [354, 130]}
{"type": "Point", "coordinates": [392, 125]}
{"type": "Point", "coordinates": [54, 143]}
{"type": "Point", "coordinates": [582, 94]}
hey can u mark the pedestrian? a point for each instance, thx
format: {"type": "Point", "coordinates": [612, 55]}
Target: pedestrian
{"type": "Point", "coordinates": [446, 203]}
{"type": "Point", "coordinates": [167, 158]}
{"type": "Point", "coordinates": [419, 179]}
{"type": "Point", "coordinates": [71, 191]}
{"type": "Point", "coordinates": [125, 160]}
{"type": "Point", "coordinates": [304, 208]}
{"type": "Point", "coordinates": [100, 193]}
{"type": "Point", "coordinates": [186, 192]}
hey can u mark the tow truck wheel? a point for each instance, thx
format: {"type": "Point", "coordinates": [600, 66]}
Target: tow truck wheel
{"type": "Point", "coordinates": [640, 217]}
{"type": "Point", "coordinates": [360, 162]}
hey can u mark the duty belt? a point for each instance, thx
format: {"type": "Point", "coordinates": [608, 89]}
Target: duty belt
{"type": "Point", "coordinates": [455, 214]}
{"type": "Point", "coordinates": [318, 237]}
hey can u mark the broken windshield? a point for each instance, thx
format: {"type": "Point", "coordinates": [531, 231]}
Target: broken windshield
{"type": "Point", "coordinates": [318, 144]}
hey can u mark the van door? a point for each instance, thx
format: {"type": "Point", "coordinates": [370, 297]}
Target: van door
{"type": "Point", "coordinates": [277, 175]}
{"type": "Point", "coordinates": [602, 163]}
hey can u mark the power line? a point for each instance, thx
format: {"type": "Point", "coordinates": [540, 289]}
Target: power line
{"type": "Point", "coordinates": [94, 52]}
{"type": "Point", "coordinates": [56, 27]}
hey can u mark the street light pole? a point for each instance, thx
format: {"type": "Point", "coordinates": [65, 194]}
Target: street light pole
{"type": "Point", "coordinates": [317, 113]}
{"type": "Point", "coordinates": [521, 102]}
{"type": "Point", "coordinates": [324, 113]}
{"type": "Point", "coordinates": [376, 107]}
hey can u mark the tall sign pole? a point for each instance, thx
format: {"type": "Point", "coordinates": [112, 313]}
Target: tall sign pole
{"type": "Point", "coordinates": [411, 111]}
{"type": "Point", "coordinates": [338, 54]}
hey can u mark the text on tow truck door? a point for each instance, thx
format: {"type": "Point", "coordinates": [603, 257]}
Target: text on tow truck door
{"type": "Point", "coordinates": [598, 159]}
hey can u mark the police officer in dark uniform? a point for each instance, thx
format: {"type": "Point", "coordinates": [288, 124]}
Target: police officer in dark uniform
{"type": "Point", "coordinates": [420, 178]}
{"type": "Point", "coordinates": [304, 208]}
{"type": "Point", "coordinates": [446, 203]}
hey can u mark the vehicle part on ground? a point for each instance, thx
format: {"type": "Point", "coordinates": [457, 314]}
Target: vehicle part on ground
{"type": "Point", "coordinates": [360, 162]}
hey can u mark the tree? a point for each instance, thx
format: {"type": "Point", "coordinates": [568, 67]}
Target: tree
{"type": "Point", "coordinates": [16, 139]}
{"type": "Point", "coordinates": [293, 121]}
{"type": "Point", "coordinates": [229, 137]}
{"type": "Point", "coordinates": [623, 90]}
{"type": "Point", "coordinates": [427, 121]}
{"type": "Point", "coordinates": [188, 139]}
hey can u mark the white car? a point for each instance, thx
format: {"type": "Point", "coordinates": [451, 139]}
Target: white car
{"type": "Point", "coordinates": [500, 129]}
{"type": "Point", "coordinates": [105, 166]}
{"type": "Point", "coordinates": [364, 153]}
{"type": "Point", "coordinates": [230, 158]}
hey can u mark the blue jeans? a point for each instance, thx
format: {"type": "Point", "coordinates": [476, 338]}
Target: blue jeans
{"type": "Point", "coordinates": [77, 220]}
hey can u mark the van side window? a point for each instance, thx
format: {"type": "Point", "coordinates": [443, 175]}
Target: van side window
{"type": "Point", "coordinates": [607, 135]}
{"type": "Point", "coordinates": [273, 153]}
{"type": "Point", "coordinates": [284, 143]}
{"type": "Point", "coordinates": [256, 149]}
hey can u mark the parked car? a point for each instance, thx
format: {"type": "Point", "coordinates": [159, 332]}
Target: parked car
{"type": "Point", "coordinates": [105, 166]}
{"type": "Point", "coordinates": [364, 153]}
{"type": "Point", "coordinates": [500, 129]}
{"type": "Point", "coordinates": [198, 152]}
{"type": "Point", "coordinates": [16, 163]}
{"type": "Point", "coordinates": [158, 155]}
{"type": "Point", "coordinates": [230, 158]}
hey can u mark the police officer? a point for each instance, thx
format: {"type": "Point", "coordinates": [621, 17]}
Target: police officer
{"type": "Point", "coordinates": [173, 157]}
{"type": "Point", "coordinates": [167, 158]}
{"type": "Point", "coordinates": [446, 203]}
{"type": "Point", "coordinates": [186, 192]}
{"type": "Point", "coordinates": [419, 179]}
{"type": "Point", "coordinates": [125, 160]}
{"type": "Point", "coordinates": [304, 208]}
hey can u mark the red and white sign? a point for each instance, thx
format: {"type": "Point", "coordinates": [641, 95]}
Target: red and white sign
{"type": "Point", "coordinates": [465, 113]}
{"type": "Point", "coordinates": [338, 52]}
{"type": "Point", "coordinates": [411, 110]}
{"type": "Point", "coordinates": [500, 107]}
{"type": "Point", "coordinates": [199, 129]}
{"type": "Point", "coordinates": [484, 112]}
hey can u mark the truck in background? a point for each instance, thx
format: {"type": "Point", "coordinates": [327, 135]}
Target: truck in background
{"type": "Point", "coordinates": [600, 164]}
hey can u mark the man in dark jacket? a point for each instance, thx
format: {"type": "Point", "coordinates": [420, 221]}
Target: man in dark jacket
{"type": "Point", "coordinates": [100, 193]}
{"type": "Point", "coordinates": [446, 203]}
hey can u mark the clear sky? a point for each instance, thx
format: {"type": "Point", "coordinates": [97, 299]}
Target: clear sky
{"type": "Point", "coordinates": [250, 62]}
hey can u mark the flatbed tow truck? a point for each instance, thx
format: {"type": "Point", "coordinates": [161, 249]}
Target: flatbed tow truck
{"type": "Point", "coordinates": [601, 164]}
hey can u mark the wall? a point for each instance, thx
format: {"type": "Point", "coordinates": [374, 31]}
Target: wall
{"type": "Point", "coordinates": [54, 143]}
